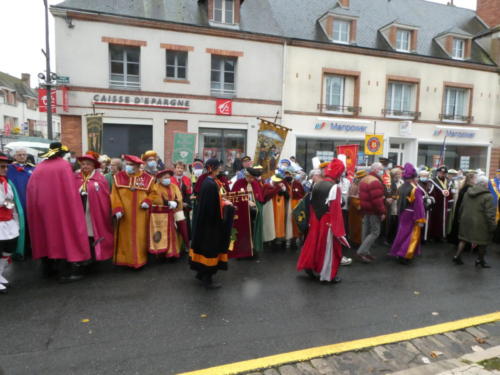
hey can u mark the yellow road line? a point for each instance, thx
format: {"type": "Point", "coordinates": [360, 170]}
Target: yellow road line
{"type": "Point", "coordinates": [322, 351]}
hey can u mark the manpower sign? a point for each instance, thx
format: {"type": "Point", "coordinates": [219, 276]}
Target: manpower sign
{"type": "Point", "coordinates": [342, 125]}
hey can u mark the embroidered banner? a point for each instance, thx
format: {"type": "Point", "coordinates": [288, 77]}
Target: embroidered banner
{"type": "Point", "coordinates": [241, 235]}
{"type": "Point", "coordinates": [351, 153]}
{"type": "Point", "coordinates": [94, 133]}
{"type": "Point", "coordinates": [270, 140]}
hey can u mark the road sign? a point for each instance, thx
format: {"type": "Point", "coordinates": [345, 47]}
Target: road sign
{"type": "Point", "coordinates": [63, 80]}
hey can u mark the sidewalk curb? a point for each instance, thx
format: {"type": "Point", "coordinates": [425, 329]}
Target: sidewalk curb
{"type": "Point", "coordinates": [322, 351]}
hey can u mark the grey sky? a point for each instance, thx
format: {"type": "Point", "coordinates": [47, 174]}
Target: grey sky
{"type": "Point", "coordinates": [23, 35]}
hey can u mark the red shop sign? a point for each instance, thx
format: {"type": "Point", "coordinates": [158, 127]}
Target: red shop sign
{"type": "Point", "coordinates": [224, 107]}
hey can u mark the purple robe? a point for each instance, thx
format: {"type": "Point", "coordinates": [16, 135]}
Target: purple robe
{"type": "Point", "coordinates": [412, 213]}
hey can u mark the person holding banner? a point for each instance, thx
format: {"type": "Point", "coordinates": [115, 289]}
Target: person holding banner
{"type": "Point", "coordinates": [322, 251]}
{"type": "Point", "coordinates": [410, 207]}
{"type": "Point", "coordinates": [442, 191]}
{"type": "Point", "coordinates": [167, 217]}
{"type": "Point", "coordinates": [253, 188]}
{"type": "Point", "coordinates": [212, 224]}
{"type": "Point", "coordinates": [130, 204]}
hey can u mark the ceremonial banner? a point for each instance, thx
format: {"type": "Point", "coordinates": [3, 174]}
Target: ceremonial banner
{"type": "Point", "coordinates": [241, 235]}
{"type": "Point", "coordinates": [184, 145]}
{"type": "Point", "coordinates": [270, 140]}
{"type": "Point", "coordinates": [94, 133]}
{"type": "Point", "coordinates": [374, 144]}
{"type": "Point", "coordinates": [162, 233]}
{"type": "Point", "coordinates": [301, 214]}
{"type": "Point", "coordinates": [351, 153]}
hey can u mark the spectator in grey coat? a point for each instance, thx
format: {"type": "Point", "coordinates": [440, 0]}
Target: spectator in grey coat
{"type": "Point", "coordinates": [477, 219]}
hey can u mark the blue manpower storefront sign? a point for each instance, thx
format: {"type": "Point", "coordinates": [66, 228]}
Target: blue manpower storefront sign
{"type": "Point", "coordinates": [340, 125]}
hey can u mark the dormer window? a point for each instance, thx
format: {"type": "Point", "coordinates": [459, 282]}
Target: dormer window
{"type": "Point", "coordinates": [458, 49]}
{"type": "Point", "coordinates": [403, 40]}
{"type": "Point", "coordinates": [224, 11]}
{"type": "Point", "coordinates": [341, 31]}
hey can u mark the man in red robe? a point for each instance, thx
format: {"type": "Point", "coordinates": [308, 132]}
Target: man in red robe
{"type": "Point", "coordinates": [322, 251]}
{"type": "Point", "coordinates": [56, 217]}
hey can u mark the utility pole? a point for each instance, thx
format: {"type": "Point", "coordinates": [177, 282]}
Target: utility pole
{"type": "Point", "coordinates": [48, 75]}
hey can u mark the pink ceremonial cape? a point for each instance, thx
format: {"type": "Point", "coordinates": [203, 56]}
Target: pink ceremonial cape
{"type": "Point", "coordinates": [55, 213]}
{"type": "Point", "coordinates": [100, 213]}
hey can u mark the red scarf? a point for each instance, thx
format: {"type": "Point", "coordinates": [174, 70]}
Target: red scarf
{"type": "Point", "coordinates": [6, 214]}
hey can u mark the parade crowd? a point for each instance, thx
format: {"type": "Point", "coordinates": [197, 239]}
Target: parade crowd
{"type": "Point", "coordinates": [70, 212]}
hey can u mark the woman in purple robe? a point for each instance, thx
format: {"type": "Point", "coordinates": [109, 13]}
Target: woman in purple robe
{"type": "Point", "coordinates": [411, 217]}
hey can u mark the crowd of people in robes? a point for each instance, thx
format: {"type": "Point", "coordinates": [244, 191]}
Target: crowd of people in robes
{"type": "Point", "coordinates": [70, 212]}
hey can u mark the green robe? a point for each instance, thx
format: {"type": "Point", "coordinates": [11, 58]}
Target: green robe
{"type": "Point", "coordinates": [22, 226]}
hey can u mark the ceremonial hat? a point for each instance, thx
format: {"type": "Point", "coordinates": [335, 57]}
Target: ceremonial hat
{"type": "Point", "coordinates": [276, 178]}
{"type": "Point", "coordinates": [246, 158]}
{"type": "Point", "coordinates": [5, 158]}
{"type": "Point", "coordinates": [385, 161]}
{"type": "Point", "coordinates": [54, 149]}
{"type": "Point", "coordinates": [133, 159]}
{"type": "Point", "coordinates": [409, 171]}
{"type": "Point", "coordinates": [452, 171]}
{"type": "Point", "coordinates": [286, 161]}
{"type": "Point", "coordinates": [255, 172]}
{"type": "Point", "coordinates": [324, 164]}
{"type": "Point", "coordinates": [361, 173]}
{"type": "Point", "coordinates": [443, 168]}
{"type": "Point", "coordinates": [212, 164]}
{"type": "Point", "coordinates": [91, 158]}
{"type": "Point", "coordinates": [104, 159]}
{"type": "Point", "coordinates": [165, 171]}
{"type": "Point", "coordinates": [335, 168]}
{"type": "Point", "coordinates": [93, 153]}
{"type": "Point", "coordinates": [424, 172]}
{"type": "Point", "coordinates": [149, 154]}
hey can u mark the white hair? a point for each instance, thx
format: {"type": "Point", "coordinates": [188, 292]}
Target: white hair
{"type": "Point", "coordinates": [376, 166]}
{"type": "Point", "coordinates": [21, 149]}
{"type": "Point", "coordinates": [314, 172]}
{"type": "Point", "coordinates": [482, 180]}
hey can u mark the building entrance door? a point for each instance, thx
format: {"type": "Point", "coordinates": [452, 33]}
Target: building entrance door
{"type": "Point", "coordinates": [397, 152]}
{"type": "Point", "coordinates": [127, 139]}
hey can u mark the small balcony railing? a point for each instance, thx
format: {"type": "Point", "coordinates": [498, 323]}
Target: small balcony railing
{"type": "Point", "coordinates": [341, 109]}
{"type": "Point", "coordinates": [388, 112]}
{"type": "Point", "coordinates": [455, 118]}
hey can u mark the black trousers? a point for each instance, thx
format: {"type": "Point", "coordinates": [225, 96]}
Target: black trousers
{"type": "Point", "coordinates": [8, 247]}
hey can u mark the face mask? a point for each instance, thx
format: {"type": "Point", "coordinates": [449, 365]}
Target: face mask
{"type": "Point", "coordinates": [152, 164]}
{"type": "Point", "coordinates": [129, 169]}
{"type": "Point", "coordinates": [165, 181]}
{"type": "Point", "coordinates": [424, 179]}
{"type": "Point", "coordinates": [198, 172]}
{"type": "Point", "coordinates": [380, 173]}
{"type": "Point", "coordinates": [298, 178]}
{"type": "Point", "coordinates": [72, 160]}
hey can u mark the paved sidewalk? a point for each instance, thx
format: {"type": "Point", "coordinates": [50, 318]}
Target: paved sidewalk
{"type": "Point", "coordinates": [458, 352]}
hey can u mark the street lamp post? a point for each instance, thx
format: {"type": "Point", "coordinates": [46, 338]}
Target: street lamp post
{"type": "Point", "coordinates": [48, 75]}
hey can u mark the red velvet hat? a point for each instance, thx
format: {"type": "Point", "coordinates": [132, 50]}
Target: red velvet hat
{"type": "Point", "coordinates": [165, 171]}
{"type": "Point", "coordinates": [335, 169]}
{"type": "Point", "coordinates": [5, 158]}
{"type": "Point", "coordinates": [133, 159]}
{"type": "Point", "coordinates": [91, 158]}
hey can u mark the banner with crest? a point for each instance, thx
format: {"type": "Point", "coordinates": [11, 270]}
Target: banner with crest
{"type": "Point", "coordinates": [270, 140]}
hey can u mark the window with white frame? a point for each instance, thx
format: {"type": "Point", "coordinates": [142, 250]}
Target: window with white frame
{"type": "Point", "coordinates": [456, 104]}
{"type": "Point", "coordinates": [334, 95]}
{"type": "Point", "coordinates": [177, 64]}
{"type": "Point", "coordinates": [124, 66]}
{"type": "Point", "coordinates": [403, 40]}
{"type": "Point", "coordinates": [341, 30]}
{"type": "Point", "coordinates": [224, 11]}
{"type": "Point", "coordinates": [399, 101]}
{"type": "Point", "coordinates": [458, 48]}
{"type": "Point", "coordinates": [223, 73]}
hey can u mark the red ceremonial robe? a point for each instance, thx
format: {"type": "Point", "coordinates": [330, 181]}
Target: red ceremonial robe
{"type": "Point", "coordinates": [99, 204]}
{"type": "Point", "coordinates": [55, 213]}
{"type": "Point", "coordinates": [322, 250]}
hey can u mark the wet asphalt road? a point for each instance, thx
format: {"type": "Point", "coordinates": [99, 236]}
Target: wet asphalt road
{"type": "Point", "coordinates": [160, 321]}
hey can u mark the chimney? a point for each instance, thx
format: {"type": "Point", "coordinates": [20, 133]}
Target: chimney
{"type": "Point", "coordinates": [489, 12]}
{"type": "Point", "coordinates": [25, 77]}
{"type": "Point", "coordinates": [344, 3]}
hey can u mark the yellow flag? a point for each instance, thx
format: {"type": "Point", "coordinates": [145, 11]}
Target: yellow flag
{"type": "Point", "coordinates": [374, 144]}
